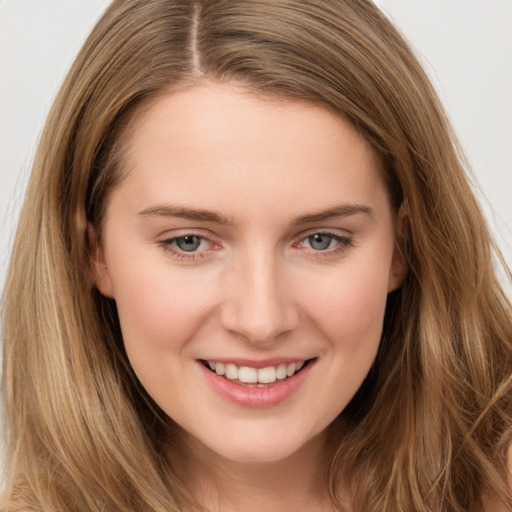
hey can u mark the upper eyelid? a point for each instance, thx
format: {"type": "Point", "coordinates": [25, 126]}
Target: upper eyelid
{"type": "Point", "coordinates": [337, 233]}
{"type": "Point", "coordinates": [325, 231]}
{"type": "Point", "coordinates": [343, 240]}
{"type": "Point", "coordinates": [171, 239]}
{"type": "Point", "coordinates": [181, 233]}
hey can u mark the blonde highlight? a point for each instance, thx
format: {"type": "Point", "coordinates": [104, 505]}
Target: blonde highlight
{"type": "Point", "coordinates": [430, 428]}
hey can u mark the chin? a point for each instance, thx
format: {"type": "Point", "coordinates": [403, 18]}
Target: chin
{"type": "Point", "coordinates": [262, 449]}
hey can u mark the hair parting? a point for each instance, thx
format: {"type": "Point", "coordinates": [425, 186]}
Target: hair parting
{"type": "Point", "coordinates": [430, 428]}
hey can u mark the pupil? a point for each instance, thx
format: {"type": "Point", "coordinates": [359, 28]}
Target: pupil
{"type": "Point", "coordinates": [320, 242]}
{"type": "Point", "coordinates": [188, 243]}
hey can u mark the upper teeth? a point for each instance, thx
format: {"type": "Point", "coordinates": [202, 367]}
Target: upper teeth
{"type": "Point", "coordinates": [251, 375]}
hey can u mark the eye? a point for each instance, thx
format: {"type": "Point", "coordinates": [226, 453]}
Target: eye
{"type": "Point", "coordinates": [324, 241]}
{"type": "Point", "coordinates": [189, 243]}
{"type": "Point", "coordinates": [188, 246]}
{"type": "Point", "coordinates": [320, 241]}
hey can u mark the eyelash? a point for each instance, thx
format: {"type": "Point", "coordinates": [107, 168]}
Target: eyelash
{"type": "Point", "coordinates": [343, 242]}
{"type": "Point", "coordinates": [169, 245]}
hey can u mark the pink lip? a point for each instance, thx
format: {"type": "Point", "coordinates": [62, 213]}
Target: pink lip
{"type": "Point", "coordinates": [267, 396]}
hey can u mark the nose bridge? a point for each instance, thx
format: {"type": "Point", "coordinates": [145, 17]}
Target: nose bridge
{"type": "Point", "coordinates": [258, 305]}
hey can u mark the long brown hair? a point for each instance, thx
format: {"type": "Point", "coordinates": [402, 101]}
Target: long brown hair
{"type": "Point", "coordinates": [431, 426]}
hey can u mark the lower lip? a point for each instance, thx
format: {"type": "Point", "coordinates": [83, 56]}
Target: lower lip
{"type": "Point", "coordinates": [266, 396]}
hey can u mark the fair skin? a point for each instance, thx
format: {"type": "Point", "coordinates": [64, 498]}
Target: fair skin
{"type": "Point", "coordinates": [254, 234]}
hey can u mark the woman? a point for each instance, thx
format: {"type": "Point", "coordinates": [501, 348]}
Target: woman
{"type": "Point", "coordinates": [250, 274]}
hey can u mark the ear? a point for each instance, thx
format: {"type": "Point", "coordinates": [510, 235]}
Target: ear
{"type": "Point", "coordinates": [399, 265]}
{"type": "Point", "coordinates": [99, 269]}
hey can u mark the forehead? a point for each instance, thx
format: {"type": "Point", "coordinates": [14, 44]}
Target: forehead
{"type": "Point", "coordinates": [221, 140]}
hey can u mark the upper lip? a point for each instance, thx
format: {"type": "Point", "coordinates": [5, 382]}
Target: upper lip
{"type": "Point", "coordinates": [260, 363]}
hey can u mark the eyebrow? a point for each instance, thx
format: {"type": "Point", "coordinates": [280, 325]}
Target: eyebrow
{"type": "Point", "coordinates": [344, 210]}
{"type": "Point", "coordinates": [200, 215]}
{"type": "Point", "coordinates": [184, 213]}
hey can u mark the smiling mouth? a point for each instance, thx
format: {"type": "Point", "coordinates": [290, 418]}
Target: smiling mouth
{"type": "Point", "coordinates": [256, 377]}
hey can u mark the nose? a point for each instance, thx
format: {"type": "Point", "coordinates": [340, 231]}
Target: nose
{"type": "Point", "coordinates": [258, 305]}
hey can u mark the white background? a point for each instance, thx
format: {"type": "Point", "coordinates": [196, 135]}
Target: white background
{"type": "Point", "coordinates": [466, 46]}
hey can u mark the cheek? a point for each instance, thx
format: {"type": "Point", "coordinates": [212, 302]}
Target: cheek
{"type": "Point", "coordinates": [345, 309]}
{"type": "Point", "coordinates": [349, 309]}
{"type": "Point", "coordinates": [158, 310]}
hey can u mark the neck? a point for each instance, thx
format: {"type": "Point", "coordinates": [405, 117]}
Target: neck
{"type": "Point", "coordinates": [298, 482]}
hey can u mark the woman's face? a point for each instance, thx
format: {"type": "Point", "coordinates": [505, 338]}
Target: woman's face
{"type": "Point", "coordinates": [250, 249]}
